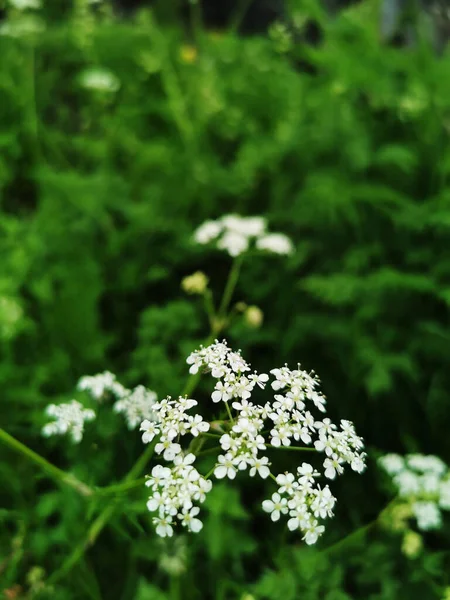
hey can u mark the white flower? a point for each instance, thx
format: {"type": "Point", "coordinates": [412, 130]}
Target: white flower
{"type": "Point", "coordinates": [24, 4]}
{"type": "Point", "coordinates": [98, 385]}
{"type": "Point", "coordinates": [207, 232]}
{"type": "Point", "coordinates": [168, 449]}
{"type": "Point", "coordinates": [69, 418]}
{"type": "Point", "coordinates": [234, 243]}
{"type": "Point", "coordinates": [427, 514]}
{"type": "Point", "coordinates": [308, 473]}
{"type": "Point", "coordinates": [332, 467]}
{"type": "Point", "coordinates": [137, 406]}
{"type": "Point", "coordinates": [313, 532]}
{"type": "Point", "coordinates": [278, 243]}
{"type": "Point", "coordinates": [444, 495]}
{"type": "Point", "coordinates": [197, 425]}
{"type": "Point", "coordinates": [287, 483]}
{"type": "Point", "coordinates": [100, 80]}
{"type": "Point", "coordinates": [189, 520]}
{"type": "Point", "coordinates": [392, 463]}
{"type": "Point", "coordinates": [277, 506]}
{"type": "Point", "coordinates": [163, 526]}
{"type": "Point", "coordinates": [225, 468]}
{"type": "Point", "coordinates": [150, 429]}
{"type": "Point", "coordinates": [260, 466]}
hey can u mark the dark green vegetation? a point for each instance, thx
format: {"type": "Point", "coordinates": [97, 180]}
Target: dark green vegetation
{"type": "Point", "coordinates": [99, 195]}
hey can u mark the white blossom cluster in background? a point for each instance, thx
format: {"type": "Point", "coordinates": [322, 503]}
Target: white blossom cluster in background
{"type": "Point", "coordinates": [299, 496]}
{"type": "Point", "coordinates": [234, 234]}
{"type": "Point", "coordinates": [178, 488]}
{"type": "Point", "coordinates": [135, 405]}
{"type": "Point", "coordinates": [69, 419]}
{"type": "Point", "coordinates": [423, 482]}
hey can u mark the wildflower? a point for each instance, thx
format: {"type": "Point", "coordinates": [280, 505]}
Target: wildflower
{"type": "Point", "coordinates": [99, 80]}
{"type": "Point", "coordinates": [253, 316]}
{"type": "Point", "coordinates": [276, 507]}
{"type": "Point", "coordinates": [277, 243]}
{"type": "Point", "coordinates": [412, 544]}
{"type": "Point", "coordinates": [137, 406]}
{"type": "Point", "coordinates": [188, 54]}
{"type": "Point", "coordinates": [69, 418]}
{"type": "Point", "coordinates": [195, 283]}
{"type": "Point", "coordinates": [99, 385]}
{"type": "Point", "coordinates": [234, 234]}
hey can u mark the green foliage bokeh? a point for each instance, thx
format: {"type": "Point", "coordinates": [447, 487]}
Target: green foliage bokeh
{"type": "Point", "coordinates": [100, 192]}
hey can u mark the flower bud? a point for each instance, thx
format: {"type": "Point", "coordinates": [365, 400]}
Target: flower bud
{"type": "Point", "coordinates": [412, 544]}
{"type": "Point", "coordinates": [253, 317]}
{"type": "Point", "coordinates": [195, 283]}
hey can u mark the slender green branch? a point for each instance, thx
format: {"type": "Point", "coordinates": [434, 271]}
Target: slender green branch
{"type": "Point", "coordinates": [230, 286]}
{"type": "Point", "coordinates": [359, 533]}
{"type": "Point", "coordinates": [229, 413]}
{"type": "Point", "coordinates": [212, 435]}
{"type": "Point", "coordinates": [119, 487]}
{"type": "Point", "coordinates": [295, 448]}
{"type": "Point", "coordinates": [57, 474]}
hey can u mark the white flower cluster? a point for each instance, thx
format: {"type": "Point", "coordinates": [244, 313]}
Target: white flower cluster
{"type": "Point", "coordinates": [101, 384]}
{"type": "Point", "coordinates": [69, 418]}
{"type": "Point", "coordinates": [137, 406]}
{"type": "Point", "coordinates": [291, 419]}
{"type": "Point", "coordinates": [100, 80]}
{"type": "Point", "coordinates": [243, 443]}
{"type": "Point", "coordinates": [175, 489]}
{"type": "Point", "coordinates": [423, 482]}
{"type": "Point", "coordinates": [233, 234]}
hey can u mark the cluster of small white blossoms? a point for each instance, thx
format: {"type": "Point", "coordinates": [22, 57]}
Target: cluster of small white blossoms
{"type": "Point", "coordinates": [69, 419]}
{"type": "Point", "coordinates": [135, 405]}
{"type": "Point", "coordinates": [234, 233]}
{"type": "Point", "coordinates": [298, 495]}
{"type": "Point", "coordinates": [423, 482]}
{"type": "Point", "coordinates": [176, 489]}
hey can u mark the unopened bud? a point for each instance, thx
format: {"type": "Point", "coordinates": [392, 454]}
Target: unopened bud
{"type": "Point", "coordinates": [254, 316]}
{"type": "Point", "coordinates": [412, 544]}
{"type": "Point", "coordinates": [195, 283]}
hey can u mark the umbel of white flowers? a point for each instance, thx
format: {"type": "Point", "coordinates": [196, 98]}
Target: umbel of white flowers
{"type": "Point", "coordinates": [422, 483]}
{"type": "Point", "coordinates": [179, 488]}
{"type": "Point", "coordinates": [234, 234]}
{"type": "Point", "coordinates": [69, 418]}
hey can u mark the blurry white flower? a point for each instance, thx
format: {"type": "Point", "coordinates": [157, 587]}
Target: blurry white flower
{"type": "Point", "coordinates": [234, 233]}
{"type": "Point", "coordinates": [98, 385]}
{"type": "Point", "coordinates": [137, 406]}
{"type": "Point", "coordinates": [427, 514]}
{"type": "Point", "coordinates": [24, 4]}
{"type": "Point", "coordinates": [100, 80]}
{"type": "Point", "coordinates": [278, 243]}
{"type": "Point", "coordinates": [69, 418]}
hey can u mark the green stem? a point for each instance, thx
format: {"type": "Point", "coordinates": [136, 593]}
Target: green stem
{"type": "Point", "coordinates": [358, 533]}
{"type": "Point", "coordinates": [299, 448]}
{"type": "Point", "coordinates": [57, 474]}
{"type": "Point", "coordinates": [238, 17]}
{"type": "Point", "coordinates": [120, 487]}
{"type": "Point", "coordinates": [230, 286]}
{"type": "Point", "coordinates": [229, 413]}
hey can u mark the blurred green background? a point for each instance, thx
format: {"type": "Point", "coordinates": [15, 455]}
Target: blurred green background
{"type": "Point", "coordinates": [119, 134]}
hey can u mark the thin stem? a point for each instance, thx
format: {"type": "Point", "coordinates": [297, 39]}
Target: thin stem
{"type": "Point", "coordinates": [229, 412]}
{"type": "Point", "coordinates": [299, 448]}
{"type": "Point", "coordinates": [209, 451]}
{"type": "Point", "coordinates": [357, 533]}
{"type": "Point", "coordinates": [57, 474]}
{"type": "Point", "coordinates": [230, 286]}
{"type": "Point", "coordinates": [120, 487]}
{"type": "Point", "coordinates": [239, 15]}
{"type": "Point", "coordinates": [212, 435]}
{"type": "Point", "coordinates": [209, 308]}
